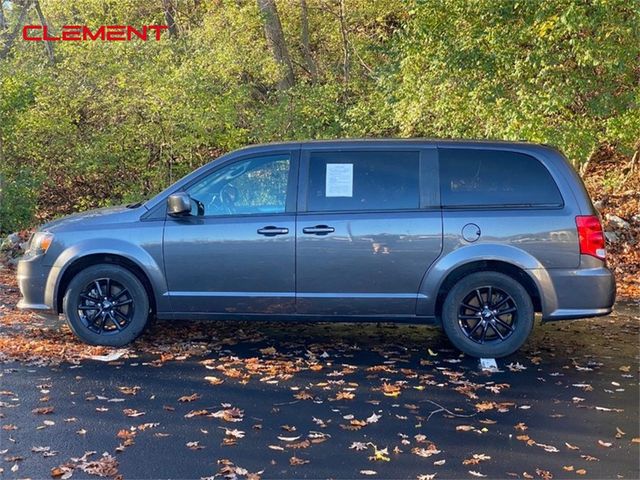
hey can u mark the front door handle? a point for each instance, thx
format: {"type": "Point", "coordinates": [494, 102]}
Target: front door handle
{"type": "Point", "coordinates": [319, 230]}
{"type": "Point", "coordinates": [272, 231]}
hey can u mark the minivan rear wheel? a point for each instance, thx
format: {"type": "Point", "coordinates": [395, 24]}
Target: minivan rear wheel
{"type": "Point", "coordinates": [488, 315]}
{"type": "Point", "coordinates": [106, 305]}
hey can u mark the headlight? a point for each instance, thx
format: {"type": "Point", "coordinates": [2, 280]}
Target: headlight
{"type": "Point", "coordinates": [40, 242]}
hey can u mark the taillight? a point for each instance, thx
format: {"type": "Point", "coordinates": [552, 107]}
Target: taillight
{"type": "Point", "coordinates": [591, 236]}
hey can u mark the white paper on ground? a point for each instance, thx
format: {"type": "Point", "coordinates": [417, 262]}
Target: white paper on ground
{"type": "Point", "coordinates": [339, 180]}
{"type": "Point", "coordinates": [110, 357]}
{"type": "Point", "coordinates": [489, 364]}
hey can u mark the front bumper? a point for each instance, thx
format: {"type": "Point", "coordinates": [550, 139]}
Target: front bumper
{"type": "Point", "coordinates": [32, 281]}
{"type": "Point", "coordinates": [582, 293]}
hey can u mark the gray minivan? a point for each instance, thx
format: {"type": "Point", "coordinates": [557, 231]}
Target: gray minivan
{"type": "Point", "coordinates": [475, 236]}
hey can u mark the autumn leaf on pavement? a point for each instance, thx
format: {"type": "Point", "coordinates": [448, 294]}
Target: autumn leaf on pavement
{"type": "Point", "coordinates": [233, 433]}
{"type": "Point", "coordinates": [303, 395]}
{"type": "Point", "coordinates": [194, 445]}
{"type": "Point", "coordinates": [425, 452]}
{"type": "Point", "coordinates": [476, 474]}
{"type": "Point", "coordinates": [233, 414]}
{"type": "Point", "coordinates": [293, 461]}
{"type": "Point", "coordinates": [189, 398]}
{"type": "Point", "coordinates": [196, 413]}
{"type": "Point", "coordinates": [373, 418]}
{"type": "Point", "coordinates": [131, 412]}
{"type": "Point", "coordinates": [484, 406]}
{"type": "Point", "coordinates": [390, 390]}
{"type": "Point", "coordinates": [345, 395]}
{"type": "Point", "coordinates": [62, 472]}
{"type": "Point", "coordinates": [214, 380]}
{"type": "Point", "coordinates": [130, 390]}
{"type": "Point", "coordinates": [380, 454]}
{"type": "Point", "coordinates": [464, 428]}
{"type": "Point", "coordinates": [42, 410]}
{"type": "Point", "coordinates": [476, 459]}
{"type": "Point", "coordinates": [358, 446]}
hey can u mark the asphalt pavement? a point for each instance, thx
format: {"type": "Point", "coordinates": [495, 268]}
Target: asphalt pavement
{"type": "Point", "coordinates": [293, 400]}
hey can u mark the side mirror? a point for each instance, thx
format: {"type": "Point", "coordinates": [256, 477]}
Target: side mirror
{"type": "Point", "coordinates": [179, 204]}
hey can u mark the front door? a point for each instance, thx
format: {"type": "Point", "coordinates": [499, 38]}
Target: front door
{"type": "Point", "coordinates": [368, 230]}
{"type": "Point", "coordinates": [235, 253]}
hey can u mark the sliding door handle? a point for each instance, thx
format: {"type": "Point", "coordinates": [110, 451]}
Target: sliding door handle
{"type": "Point", "coordinates": [318, 230]}
{"type": "Point", "coordinates": [272, 231]}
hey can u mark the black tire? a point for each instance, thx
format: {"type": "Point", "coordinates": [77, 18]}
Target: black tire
{"type": "Point", "coordinates": [492, 334]}
{"type": "Point", "coordinates": [106, 305]}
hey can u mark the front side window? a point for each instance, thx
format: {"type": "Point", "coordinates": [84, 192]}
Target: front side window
{"type": "Point", "coordinates": [351, 181]}
{"type": "Point", "coordinates": [470, 177]}
{"type": "Point", "coordinates": [253, 186]}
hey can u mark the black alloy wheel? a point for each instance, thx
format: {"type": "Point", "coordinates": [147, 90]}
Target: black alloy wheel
{"type": "Point", "coordinates": [488, 314]}
{"type": "Point", "coordinates": [106, 304]}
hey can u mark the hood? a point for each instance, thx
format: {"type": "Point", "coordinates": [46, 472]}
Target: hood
{"type": "Point", "coordinates": [119, 214]}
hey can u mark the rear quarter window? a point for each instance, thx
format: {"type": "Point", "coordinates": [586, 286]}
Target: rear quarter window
{"type": "Point", "coordinates": [470, 178]}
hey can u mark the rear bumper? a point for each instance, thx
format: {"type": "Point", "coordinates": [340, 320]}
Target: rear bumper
{"type": "Point", "coordinates": [581, 293]}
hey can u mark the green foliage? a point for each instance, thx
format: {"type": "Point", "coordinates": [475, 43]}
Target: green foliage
{"type": "Point", "coordinates": [110, 122]}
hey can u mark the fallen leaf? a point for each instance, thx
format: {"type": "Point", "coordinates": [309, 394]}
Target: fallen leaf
{"type": "Point", "coordinates": [214, 380]}
{"type": "Point", "coordinates": [390, 390]}
{"type": "Point", "coordinates": [189, 398]}
{"type": "Point", "coordinates": [131, 412]}
{"type": "Point", "coordinates": [130, 390]}
{"type": "Point", "coordinates": [345, 396]}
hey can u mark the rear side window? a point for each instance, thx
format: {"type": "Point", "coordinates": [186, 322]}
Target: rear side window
{"type": "Point", "coordinates": [341, 181]}
{"type": "Point", "coordinates": [494, 178]}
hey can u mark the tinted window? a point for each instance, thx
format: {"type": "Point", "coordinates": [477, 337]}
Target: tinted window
{"type": "Point", "coordinates": [363, 181]}
{"type": "Point", "coordinates": [491, 177]}
{"type": "Point", "coordinates": [258, 185]}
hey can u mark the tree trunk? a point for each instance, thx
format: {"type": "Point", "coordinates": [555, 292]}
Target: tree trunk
{"type": "Point", "coordinates": [345, 45]}
{"type": "Point", "coordinates": [3, 20]}
{"type": "Point", "coordinates": [304, 38]}
{"type": "Point", "coordinates": [12, 37]}
{"type": "Point", "coordinates": [43, 21]}
{"type": "Point", "coordinates": [170, 17]}
{"type": "Point", "coordinates": [275, 40]}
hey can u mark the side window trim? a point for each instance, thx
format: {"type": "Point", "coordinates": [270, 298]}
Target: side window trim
{"type": "Point", "coordinates": [290, 202]}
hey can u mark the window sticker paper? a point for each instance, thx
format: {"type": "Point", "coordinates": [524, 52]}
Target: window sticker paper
{"type": "Point", "coordinates": [339, 180]}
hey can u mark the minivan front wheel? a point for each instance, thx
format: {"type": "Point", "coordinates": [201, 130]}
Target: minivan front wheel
{"type": "Point", "coordinates": [488, 315]}
{"type": "Point", "coordinates": [106, 305]}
